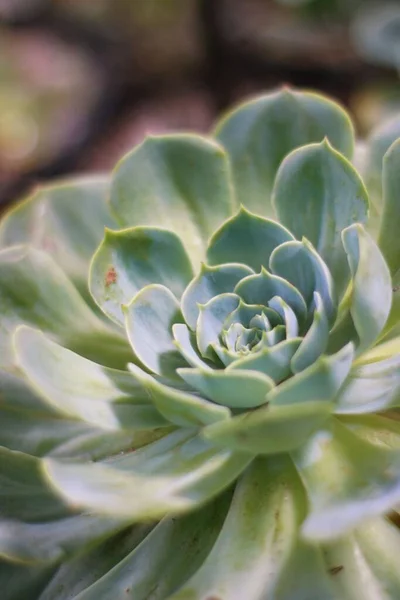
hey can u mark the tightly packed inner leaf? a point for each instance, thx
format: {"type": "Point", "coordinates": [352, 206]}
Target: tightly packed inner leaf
{"type": "Point", "coordinates": [189, 401]}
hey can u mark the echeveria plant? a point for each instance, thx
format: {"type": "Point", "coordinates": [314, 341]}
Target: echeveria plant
{"type": "Point", "coordinates": [206, 409]}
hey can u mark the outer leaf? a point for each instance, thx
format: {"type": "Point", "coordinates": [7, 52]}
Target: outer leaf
{"type": "Point", "coordinates": [177, 473]}
{"type": "Point", "coordinates": [371, 387]}
{"type": "Point", "coordinates": [185, 341]}
{"type": "Point", "coordinates": [259, 289]}
{"type": "Point", "coordinates": [180, 408]}
{"type": "Point", "coordinates": [319, 382]}
{"type": "Point", "coordinates": [54, 540]}
{"type": "Point", "coordinates": [259, 134]}
{"type": "Point", "coordinates": [35, 291]}
{"type": "Point", "coordinates": [269, 430]}
{"type": "Point", "coordinates": [371, 295]}
{"type": "Point", "coordinates": [246, 238]}
{"type": "Point", "coordinates": [149, 319]}
{"type": "Point", "coordinates": [181, 182]}
{"type": "Point", "coordinates": [151, 569]}
{"type": "Point", "coordinates": [20, 582]}
{"type": "Point", "coordinates": [25, 494]}
{"type": "Point", "coordinates": [131, 259]}
{"type": "Point", "coordinates": [83, 389]}
{"type": "Point", "coordinates": [66, 219]}
{"type": "Point", "coordinates": [378, 144]}
{"type": "Point", "coordinates": [274, 361]}
{"type": "Point", "coordinates": [210, 282]}
{"type": "Point", "coordinates": [236, 389]}
{"type": "Point", "coordinates": [300, 264]}
{"type": "Point", "coordinates": [317, 194]}
{"type": "Point", "coordinates": [388, 239]}
{"type": "Point", "coordinates": [84, 569]}
{"type": "Point", "coordinates": [256, 538]}
{"type": "Point", "coordinates": [348, 480]}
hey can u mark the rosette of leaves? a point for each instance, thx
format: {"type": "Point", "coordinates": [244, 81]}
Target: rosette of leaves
{"type": "Point", "coordinates": [207, 408]}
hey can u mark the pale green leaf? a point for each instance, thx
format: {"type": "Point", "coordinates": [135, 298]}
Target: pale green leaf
{"type": "Point", "coordinates": [149, 319]}
{"type": "Point", "coordinates": [315, 340]}
{"type": "Point", "coordinates": [130, 259]}
{"type": "Point", "coordinates": [270, 429]}
{"type": "Point", "coordinates": [236, 389]}
{"type": "Point", "coordinates": [210, 282]}
{"type": "Point", "coordinates": [181, 182]}
{"type": "Point", "coordinates": [388, 239]}
{"type": "Point", "coordinates": [260, 133]}
{"type": "Point", "coordinates": [273, 361]}
{"type": "Point", "coordinates": [211, 320]}
{"type": "Point", "coordinates": [246, 238]}
{"type": "Point", "coordinates": [317, 194]}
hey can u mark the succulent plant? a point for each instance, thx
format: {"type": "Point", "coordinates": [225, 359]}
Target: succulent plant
{"type": "Point", "coordinates": [202, 404]}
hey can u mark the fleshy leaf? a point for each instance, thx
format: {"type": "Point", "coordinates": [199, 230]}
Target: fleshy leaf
{"type": "Point", "coordinates": [175, 474]}
{"type": "Point", "coordinates": [371, 387]}
{"type": "Point", "coordinates": [270, 429]}
{"type": "Point", "coordinates": [180, 408]}
{"type": "Point", "coordinates": [211, 319]}
{"type": "Point", "coordinates": [129, 260]}
{"type": "Point", "coordinates": [152, 569]}
{"type": "Point", "coordinates": [299, 263]}
{"type": "Point", "coordinates": [80, 388]}
{"type": "Point", "coordinates": [260, 133]}
{"type": "Point", "coordinates": [149, 320]}
{"type": "Point", "coordinates": [22, 582]}
{"type": "Point", "coordinates": [35, 291]}
{"type": "Point", "coordinates": [320, 382]}
{"type": "Point", "coordinates": [388, 240]}
{"type": "Point", "coordinates": [181, 182]}
{"type": "Point", "coordinates": [273, 361]}
{"type": "Point", "coordinates": [210, 282]}
{"type": "Point", "coordinates": [185, 342]}
{"type": "Point", "coordinates": [236, 389]}
{"type": "Point", "coordinates": [348, 481]}
{"type": "Point", "coordinates": [287, 314]}
{"type": "Point", "coordinates": [66, 219]}
{"type": "Point", "coordinates": [245, 313]}
{"type": "Point", "coordinates": [246, 238]}
{"type": "Point", "coordinates": [259, 289]}
{"type": "Point", "coordinates": [317, 194]}
{"type": "Point", "coordinates": [256, 538]}
{"type": "Point", "coordinates": [378, 144]}
{"type": "Point", "coordinates": [315, 341]}
{"type": "Point", "coordinates": [371, 294]}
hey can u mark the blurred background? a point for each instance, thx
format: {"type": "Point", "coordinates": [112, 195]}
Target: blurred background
{"type": "Point", "coordinates": [83, 81]}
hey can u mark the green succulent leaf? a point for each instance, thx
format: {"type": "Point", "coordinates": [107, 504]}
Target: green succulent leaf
{"type": "Point", "coordinates": [246, 238]}
{"type": "Point", "coordinates": [273, 361]}
{"type": "Point", "coordinates": [300, 264]}
{"type": "Point", "coordinates": [181, 182]}
{"type": "Point", "coordinates": [210, 282]}
{"type": "Point", "coordinates": [211, 320]}
{"type": "Point", "coordinates": [81, 571]}
{"type": "Point", "coordinates": [315, 340]}
{"type": "Point", "coordinates": [152, 568]}
{"type": "Point", "coordinates": [177, 473]}
{"type": "Point", "coordinates": [319, 382]}
{"type": "Point", "coordinates": [256, 538]}
{"type": "Point", "coordinates": [178, 407]}
{"type": "Point", "coordinates": [271, 429]}
{"type": "Point", "coordinates": [258, 289]}
{"type": "Point", "coordinates": [66, 219]}
{"type": "Point", "coordinates": [388, 239]}
{"type": "Point", "coordinates": [379, 142]}
{"type": "Point", "coordinates": [129, 260]}
{"type": "Point", "coordinates": [35, 291]}
{"type": "Point", "coordinates": [371, 387]}
{"type": "Point", "coordinates": [80, 388]}
{"type": "Point", "coordinates": [149, 319]}
{"type": "Point", "coordinates": [260, 133]}
{"type": "Point", "coordinates": [348, 480]}
{"type": "Point", "coordinates": [236, 389]}
{"type": "Point", "coordinates": [185, 342]}
{"type": "Point", "coordinates": [371, 293]}
{"type": "Point", "coordinates": [317, 194]}
{"type": "Point", "coordinates": [20, 582]}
